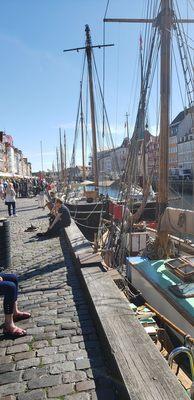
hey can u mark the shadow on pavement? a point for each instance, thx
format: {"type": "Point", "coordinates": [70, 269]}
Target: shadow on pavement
{"type": "Point", "coordinates": [26, 209]}
{"type": "Point", "coordinates": [103, 381]}
{"type": "Point", "coordinates": [40, 271]}
{"type": "Point", "coordinates": [39, 217]}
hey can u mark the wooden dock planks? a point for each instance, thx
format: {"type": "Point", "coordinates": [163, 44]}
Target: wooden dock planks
{"type": "Point", "coordinates": [139, 371]}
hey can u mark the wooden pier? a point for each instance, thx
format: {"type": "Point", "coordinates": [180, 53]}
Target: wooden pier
{"type": "Point", "coordinates": [138, 369]}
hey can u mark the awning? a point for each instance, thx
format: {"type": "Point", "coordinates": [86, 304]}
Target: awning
{"type": "Point", "coordinates": [106, 183]}
{"type": "Point", "coordinates": [87, 183]}
{"type": "Point", "coordinates": [9, 175]}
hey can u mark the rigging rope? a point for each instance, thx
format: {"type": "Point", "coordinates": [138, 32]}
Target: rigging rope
{"type": "Point", "coordinates": [106, 116]}
{"type": "Point", "coordinates": [72, 164]}
{"type": "Point", "coordinates": [185, 57]}
{"type": "Point", "coordinates": [178, 78]}
{"type": "Point", "coordinates": [130, 174]}
{"type": "Point", "coordinates": [131, 164]}
{"type": "Point", "coordinates": [103, 72]}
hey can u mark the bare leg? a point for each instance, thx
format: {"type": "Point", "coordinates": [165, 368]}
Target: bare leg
{"type": "Point", "coordinates": [11, 328]}
{"type": "Point", "coordinates": [15, 308]}
{"type": "Point", "coordinates": [12, 314]}
{"type": "Point", "coordinates": [9, 321]}
{"type": "Point", "coordinates": [19, 315]}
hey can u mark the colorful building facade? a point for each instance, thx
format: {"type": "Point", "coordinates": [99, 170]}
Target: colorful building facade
{"type": "Point", "coordinates": [12, 160]}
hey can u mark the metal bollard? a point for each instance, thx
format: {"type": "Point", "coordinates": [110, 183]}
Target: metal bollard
{"type": "Point", "coordinates": [5, 244]}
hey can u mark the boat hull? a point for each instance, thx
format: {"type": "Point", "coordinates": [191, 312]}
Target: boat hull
{"type": "Point", "coordinates": [179, 312]}
{"type": "Point", "coordinates": [87, 216]}
{"type": "Point", "coordinates": [149, 213]}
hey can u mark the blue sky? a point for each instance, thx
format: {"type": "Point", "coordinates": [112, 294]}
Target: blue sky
{"type": "Point", "coordinates": [39, 84]}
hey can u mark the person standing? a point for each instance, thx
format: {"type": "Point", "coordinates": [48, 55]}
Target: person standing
{"type": "Point", "coordinates": [2, 190]}
{"type": "Point", "coordinates": [16, 187]}
{"type": "Point", "coordinates": [10, 196]}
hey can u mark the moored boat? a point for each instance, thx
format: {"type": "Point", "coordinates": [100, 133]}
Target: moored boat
{"type": "Point", "coordinates": [157, 267]}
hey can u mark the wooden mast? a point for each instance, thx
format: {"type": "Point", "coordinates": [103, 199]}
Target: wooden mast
{"type": "Point", "coordinates": [41, 153]}
{"type": "Point", "coordinates": [82, 134]}
{"type": "Point", "coordinates": [88, 48]}
{"type": "Point", "coordinates": [92, 106]}
{"type": "Point", "coordinates": [127, 125]}
{"type": "Point", "coordinates": [165, 25]}
{"type": "Point", "coordinates": [164, 21]}
{"type": "Point", "coordinates": [142, 126]}
{"type": "Point", "coordinates": [57, 155]}
{"type": "Point", "coordinates": [65, 160]}
{"type": "Point", "coordinates": [61, 157]}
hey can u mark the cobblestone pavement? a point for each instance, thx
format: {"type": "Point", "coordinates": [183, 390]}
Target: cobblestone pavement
{"type": "Point", "coordinates": [60, 358]}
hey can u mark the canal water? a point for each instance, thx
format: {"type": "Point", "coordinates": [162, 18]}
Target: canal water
{"type": "Point", "coordinates": [186, 201]}
{"type": "Point", "coordinates": [180, 200]}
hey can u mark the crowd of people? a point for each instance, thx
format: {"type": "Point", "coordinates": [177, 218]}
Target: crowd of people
{"type": "Point", "coordinates": [25, 187]}
{"type": "Point", "coordinates": [11, 189]}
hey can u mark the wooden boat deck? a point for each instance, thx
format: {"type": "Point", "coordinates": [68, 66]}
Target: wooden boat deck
{"type": "Point", "coordinates": [161, 278]}
{"type": "Point", "coordinates": [138, 368]}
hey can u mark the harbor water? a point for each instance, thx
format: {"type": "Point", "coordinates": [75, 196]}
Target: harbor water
{"type": "Point", "coordinates": [179, 199]}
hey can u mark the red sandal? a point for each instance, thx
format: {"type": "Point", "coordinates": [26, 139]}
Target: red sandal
{"type": "Point", "coordinates": [21, 316]}
{"type": "Point", "coordinates": [14, 333]}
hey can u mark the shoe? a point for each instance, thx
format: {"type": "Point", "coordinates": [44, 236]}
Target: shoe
{"type": "Point", "coordinates": [40, 234]}
{"type": "Point", "coordinates": [21, 316]}
{"type": "Point", "coordinates": [31, 228]}
{"type": "Point", "coordinates": [14, 333]}
{"type": "Point", "coordinates": [15, 215]}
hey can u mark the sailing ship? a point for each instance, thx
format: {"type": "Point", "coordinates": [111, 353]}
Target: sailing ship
{"type": "Point", "coordinates": [87, 208]}
{"type": "Point", "coordinates": [160, 271]}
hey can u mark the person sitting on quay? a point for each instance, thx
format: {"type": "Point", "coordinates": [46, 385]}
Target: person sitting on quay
{"type": "Point", "coordinates": [62, 220]}
{"type": "Point", "coordinates": [50, 202]}
{"type": "Point", "coordinates": [9, 289]}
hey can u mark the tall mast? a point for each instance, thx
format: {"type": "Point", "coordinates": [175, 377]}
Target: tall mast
{"type": "Point", "coordinates": [164, 21]}
{"type": "Point", "coordinates": [165, 25]}
{"type": "Point", "coordinates": [61, 157]}
{"type": "Point", "coordinates": [142, 127]}
{"type": "Point", "coordinates": [82, 133]}
{"type": "Point", "coordinates": [65, 160]}
{"type": "Point", "coordinates": [127, 125]}
{"type": "Point", "coordinates": [88, 50]}
{"type": "Point", "coordinates": [94, 145]}
{"type": "Point", "coordinates": [53, 169]}
{"type": "Point", "coordinates": [57, 155]}
{"type": "Point", "coordinates": [41, 153]}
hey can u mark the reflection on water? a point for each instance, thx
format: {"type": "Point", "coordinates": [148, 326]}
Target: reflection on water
{"type": "Point", "coordinates": [185, 201]}
{"type": "Point", "coordinates": [112, 191]}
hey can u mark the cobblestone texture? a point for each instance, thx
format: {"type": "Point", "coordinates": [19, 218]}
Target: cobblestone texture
{"type": "Point", "coordinates": [61, 355]}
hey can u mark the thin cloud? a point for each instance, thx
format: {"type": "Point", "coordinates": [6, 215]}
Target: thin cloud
{"type": "Point", "coordinates": [44, 154]}
{"type": "Point", "coordinates": [34, 53]}
{"type": "Point", "coordinates": [63, 125]}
